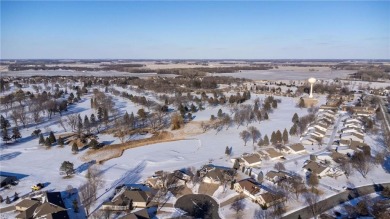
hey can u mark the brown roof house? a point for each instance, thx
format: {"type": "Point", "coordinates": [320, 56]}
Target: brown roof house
{"type": "Point", "coordinates": [249, 187]}
{"type": "Point", "coordinates": [314, 167]}
{"type": "Point", "coordinates": [273, 154]}
{"type": "Point", "coordinates": [297, 148]}
{"type": "Point", "coordinates": [275, 176]}
{"type": "Point", "coordinates": [141, 214]}
{"type": "Point", "coordinates": [216, 174]}
{"type": "Point", "coordinates": [268, 199]}
{"type": "Point", "coordinates": [128, 199]}
{"type": "Point", "coordinates": [251, 160]}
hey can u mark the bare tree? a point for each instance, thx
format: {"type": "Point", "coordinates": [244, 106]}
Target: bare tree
{"type": "Point", "coordinates": [204, 126]}
{"type": "Point", "coordinates": [255, 134]}
{"type": "Point", "coordinates": [245, 136]}
{"type": "Point", "coordinates": [362, 163]}
{"type": "Point", "coordinates": [61, 123]}
{"type": "Point", "coordinates": [262, 214]}
{"type": "Point", "coordinates": [238, 206]}
{"type": "Point", "coordinates": [88, 191]}
{"type": "Point", "coordinates": [311, 199]}
{"type": "Point", "coordinates": [72, 121]}
{"type": "Point", "coordinates": [279, 166]}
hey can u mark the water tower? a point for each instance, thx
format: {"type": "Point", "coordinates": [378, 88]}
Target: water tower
{"type": "Point", "coordinates": [311, 81]}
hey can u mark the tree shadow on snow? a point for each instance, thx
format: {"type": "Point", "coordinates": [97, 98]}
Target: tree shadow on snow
{"type": "Point", "coordinates": [83, 167]}
{"type": "Point", "coordinates": [9, 156]}
{"type": "Point", "coordinates": [386, 164]}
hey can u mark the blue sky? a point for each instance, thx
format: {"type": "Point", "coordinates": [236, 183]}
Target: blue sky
{"type": "Point", "coordinates": [212, 30]}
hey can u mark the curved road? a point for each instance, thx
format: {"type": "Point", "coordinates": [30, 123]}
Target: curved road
{"type": "Point", "coordinates": [334, 200]}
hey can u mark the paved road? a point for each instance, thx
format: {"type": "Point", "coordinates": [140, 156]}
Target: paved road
{"type": "Point", "coordinates": [333, 201]}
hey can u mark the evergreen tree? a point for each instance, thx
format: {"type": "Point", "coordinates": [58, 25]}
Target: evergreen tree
{"type": "Point", "coordinates": [274, 104]}
{"type": "Point", "coordinates": [47, 142]}
{"type": "Point", "coordinates": [285, 136]}
{"type": "Point", "coordinates": [7, 200]}
{"type": "Point", "coordinates": [60, 141]}
{"type": "Point", "coordinates": [5, 135]}
{"type": "Point", "coordinates": [4, 123]}
{"type": "Point", "coordinates": [132, 120]}
{"type": "Point", "coordinates": [126, 118]}
{"type": "Point", "coordinates": [93, 144]}
{"type": "Point", "coordinates": [67, 167]}
{"type": "Point", "coordinates": [266, 140]}
{"type": "Point", "coordinates": [1, 199]}
{"type": "Point", "coordinates": [301, 103]}
{"type": "Point", "coordinates": [220, 113]}
{"type": "Point", "coordinates": [75, 148]}
{"type": "Point", "coordinates": [250, 172]}
{"type": "Point", "coordinates": [193, 108]}
{"type": "Point", "coordinates": [75, 205]}
{"type": "Point", "coordinates": [273, 137]}
{"type": "Point", "coordinates": [16, 196]}
{"type": "Point", "coordinates": [293, 130]}
{"type": "Point", "coordinates": [92, 106]}
{"type": "Point", "coordinates": [278, 136]}
{"type": "Point", "coordinates": [266, 116]}
{"type": "Point", "coordinates": [295, 118]}
{"type": "Point", "coordinates": [256, 107]}
{"type": "Point", "coordinates": [41, 139]}
{"type": "Point", "coordinates": [52, 138]}
{"type": "Point", "coordinates": [92, 119]}
{"type": "Point", "coordinates": [16, 134]}
{"type": "Point", "coordinates": [227, 151]}
{"type": "Point", "coordinates": [105, 116]}
{"type": "Point", "coordinates": [100, 114]}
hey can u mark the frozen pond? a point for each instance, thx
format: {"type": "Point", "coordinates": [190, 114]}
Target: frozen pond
{"type": "Point", "coordinates": [287, 75]}
{"type": "Point", "coordinates": [30, 73]}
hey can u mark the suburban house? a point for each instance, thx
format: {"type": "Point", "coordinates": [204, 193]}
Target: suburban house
{"type": "Point", "coordinates": [314, 167]}
{"type": "Point", "coordinates": [308, 140]}
{"type": "Point", "coordinates": [127, 199]}
{"type": "Point", "coordinates": [216, 174]}
{"type": "Point", "coordinates": [249, 187]}
{"type": "Point", "coordinates": [327, 107]}
{"type": "Point", "coordinates": [321, 127]}
{"type": "Point", "coordinates": [352, 130]}
{"type": "Point", "coordinates": [297, 148]}
{"type": "Point", "coordinates": [141, 214]}
{"type": "Point", "coordinates": [251, 160]}
{"type": "Point", "coordinates": [273, 154]}
{"type": "Point", "coordinates": [268, 199]}
{"type": "Point", "coordinates": [352, 137]}
{"type": "Point", "coordinates": [47, 205]}
{"type": "Point", "coordinates": [275, 176]}
{"type": "Point", "coordinates": [169, 180]}
{"type": "Point", "coordinates": [262, 154]}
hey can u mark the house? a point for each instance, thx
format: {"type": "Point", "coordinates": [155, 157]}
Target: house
{"type": "Point", "coordinates": [249, 187]}
{"type": "Point", "coordinates": [273, 154]}
{"type": "Point", "coordinates": [141, 214]}
{"type": "Point", "coordinates": [216, 174]}
{"type": "Point", "coordinates": [26, 208]}
{"type": "Point", "coordinates": [49, 210]}
{"type": "Point", "coordinates": [314, 167]}
{"type": "Point", "coordinates": [352, 130]}
{"type": "Point", "coordinates": [251, 160]}
{"type": "Point", "coordinates": [268, 199]}
{"type": "Point", "coordinates": [123, 200]}
{"type": "Point", "coordinates": [297, 148]}
{"type": "Point", "coordinates": [7, 180]}
{"type": "Point", "coordinates": [262, 154]}
{"type": "Point", "coordinates": [169, 180]}
{"type": "Point", "coordinates": [308, 140]}
{"type": "Point", "coordinates": [352, 137]}
{"type": "Point", "coordinates": [275, 176]}
{"type": "Point", "coordinates": [327, 107]}
{"type": "Point", "coordinates": [48, 205]}
{"type": "Point", "coordinates": [321, 127]}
